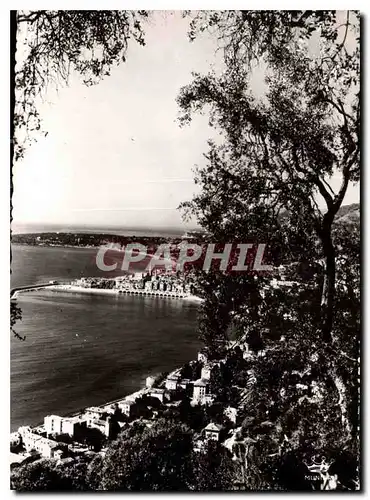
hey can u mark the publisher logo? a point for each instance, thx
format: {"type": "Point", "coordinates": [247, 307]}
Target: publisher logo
{"type": "Point", "coordinates": [318, 472]}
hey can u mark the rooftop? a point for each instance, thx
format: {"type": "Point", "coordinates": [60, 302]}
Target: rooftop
{"type": "Point", "coordinates": [201, 382]}
{"type": "Point", "coordinates": [44, 440]}
{"type": "Point", "coordinates": [213, 427]}
{"type": "Point", "coordinates": [127, 402]}
{"type": "Point", "coordinates": [95, 409]}
{"type": "Point", "coordinates": [99, 422]}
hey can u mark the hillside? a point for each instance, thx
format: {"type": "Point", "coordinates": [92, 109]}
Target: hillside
{"type": "Point", "coordinates": [349, 214]}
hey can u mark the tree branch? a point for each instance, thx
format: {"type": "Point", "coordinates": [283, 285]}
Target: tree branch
{"type": "Point", "coordinates": [346, 175]}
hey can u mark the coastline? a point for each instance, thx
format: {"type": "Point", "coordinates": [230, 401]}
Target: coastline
{"type": "Point", "coordinates": [54, 246]}
{"type": "Point", "coordinates": [107, 406]}
{"type": "Point", "coordinates": [104, 291]}
{"type": "Point", "coordinates": [69, 288]}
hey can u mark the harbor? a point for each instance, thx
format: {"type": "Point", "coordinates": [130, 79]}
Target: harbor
{"type": "Point", "coordinates": [154, 284]}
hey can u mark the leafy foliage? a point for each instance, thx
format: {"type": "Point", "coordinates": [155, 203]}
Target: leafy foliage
{"type": "Point", "coordinates": [156, 460]}
{"type": "Point", "coordinates": [277, 153]}
{"type": "Point", "coordinates": [42, 475]}
{"type": "Point", "coordinates": [54, 43]}
{"type": "Point", "coordinates": [279, 149]}
{"type": "Point", "coordinates": [214, 469]}
{"type": "Point", "coordinates": [15, 315]}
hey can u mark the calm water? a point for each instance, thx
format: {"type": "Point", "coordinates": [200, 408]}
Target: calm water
{"type": "Point", "coordinates": [85, 349]}
{"type": "Point", "coordinates": [32, 265]}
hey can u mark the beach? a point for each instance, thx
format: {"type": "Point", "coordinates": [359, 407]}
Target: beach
{"type": "Point", "coordinates": [105, 291]}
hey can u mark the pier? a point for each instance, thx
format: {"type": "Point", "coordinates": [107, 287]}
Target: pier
{"type": "Point", "coordinates": [115, 291]}
{"type": "Point", "coordinates": [13, 291]}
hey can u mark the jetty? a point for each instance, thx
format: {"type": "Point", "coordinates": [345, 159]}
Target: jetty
{"type": "Point", "coordinates": [13, 291]}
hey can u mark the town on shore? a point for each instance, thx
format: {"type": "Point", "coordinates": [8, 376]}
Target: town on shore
{"type": "Point", "coordinates": [156, 282]}
{"type": "Point", "coordinates": [89, 432]}
{"type": "Point", "coordinates": [195, 385]}
{"type": "Point", "coordinates": [213, 394]}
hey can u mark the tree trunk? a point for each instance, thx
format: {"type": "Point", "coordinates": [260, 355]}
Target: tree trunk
{"type": "Point", "coordinates": [342, 400]}
{"type": "Point", "coordinates": [328, 290]}
{"type": "Point", "coordinates": [327, 316]}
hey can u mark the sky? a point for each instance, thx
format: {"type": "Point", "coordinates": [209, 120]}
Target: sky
{"type": "Point", "coordinates": [114, 154]}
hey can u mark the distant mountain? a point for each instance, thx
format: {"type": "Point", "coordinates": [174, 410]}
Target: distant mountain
{"type": "Point", "coordinates": [349, 214]}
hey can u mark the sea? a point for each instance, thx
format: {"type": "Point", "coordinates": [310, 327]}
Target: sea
{"type": "Point", "coordinates": [82, 350]}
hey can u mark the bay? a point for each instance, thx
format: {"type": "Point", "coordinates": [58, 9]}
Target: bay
{"type": "Point", "coordinates": [82, 349]}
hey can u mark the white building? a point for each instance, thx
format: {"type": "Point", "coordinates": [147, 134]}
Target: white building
{"type": "Point", "coordinates": [160, 394]}
{"type": "Point", "coordinates": [202, 357]}
{"type": "Point", "coordinates": [34, 442]}
{"type": "Point", "coordinates": [53, 424]}
{"type": "Point", "coordinates": [104, 426]}
{"type": "Point", "coordinates": [172, 382]}
{"type": "Point", "coordinates": [200, 389]}
{"type": "Point", "coordinates": [58, 454]}
{"type": "Point", "coordinates": [212, 431]}
{"type": "Point", "coordinates": [231, 413]}
{"type": "Point", "coordinates": [15, 439]}
{"type": "Point", "coordinates": [24, 430]}
{"type": "Point", "coordinates": [59, 425]}
{"type": "Point", "coordinates": [206, 372]}
{"type": "Point", "coordinates": [149, 382]}
{"type": "Point", "coordinates": [127, 407]}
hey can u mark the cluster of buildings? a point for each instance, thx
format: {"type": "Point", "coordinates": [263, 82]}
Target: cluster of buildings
{"type": "Point", "coordinates": [77, 427]}
{"type": "Point", "coordinates": [156, 282]}
{"type": "Point", "coordinates": [198, 389]}
{"type": "Point", "coordinates": [35, 442]}
{"type": "Point", "coordinates": [42, 441]}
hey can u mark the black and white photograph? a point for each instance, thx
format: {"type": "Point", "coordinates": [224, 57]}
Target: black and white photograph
{"type": "Point", "coordinates": [185, 307]}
